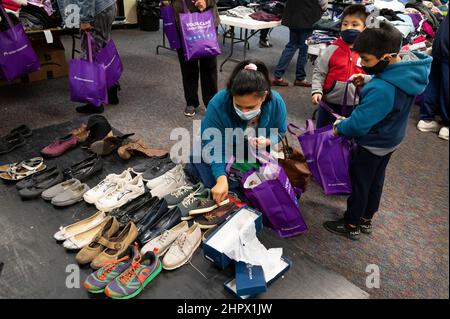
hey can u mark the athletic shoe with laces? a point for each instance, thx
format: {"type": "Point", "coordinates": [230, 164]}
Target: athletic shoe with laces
{"type": "Point", "coordinates": [124, 193]}
{"type": "Point", "coordinates": [181, 251]}
{"type": "Point", "coordinates": [428, 126]}
{"type": "Point", "coordinates": [342, 228]}
{"type": "Point", "coordinates": [190, 111]}
{"type": "Point", "coordinates": [173, 173]}
{"type": "Point", "coordinates": [97, 281]}
{"type": "Point", "coordinates": [443, 133]}
{"type": "Point", "coordinates": [177, 196]}
{"type": "Point", "coordinates": [190, 202]}
{"type": "Point", "coordinates": [169, 183]}
{"type": "Point", "coordinates": [366, 226]}
{"type": "Point", "coordinates": [133, 280]}
{"type": "Point", "coordinates": [107, 186]}
{"type": "Point", "coordinates": [162, 243]}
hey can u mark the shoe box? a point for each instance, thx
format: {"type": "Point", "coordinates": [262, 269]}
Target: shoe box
{"type": "Point", "coordinates": [52, 58]}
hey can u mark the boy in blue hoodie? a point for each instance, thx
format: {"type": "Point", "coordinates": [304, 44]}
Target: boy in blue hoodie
{"type": "Point", "coordinates": [378, 124]}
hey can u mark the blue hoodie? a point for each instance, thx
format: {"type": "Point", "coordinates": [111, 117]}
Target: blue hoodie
{"type": "Point", "coordinates": [381, 118]}
{"type": "Point", "coordinates": [221, 115]}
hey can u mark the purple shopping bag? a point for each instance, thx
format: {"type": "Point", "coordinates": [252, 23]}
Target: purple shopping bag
{"type": "Point", "coordinates": [328, 156]}
{"type": "Point", "coordinates": [17, 56]}
{"type": "Point", "coordinates": [110, 58]}
{"type": "Point", "coordinates": [199, 35]}
{"type": "Point", "coordinates": [170, 26]}
{"type": "Point", "coordinates": [275, 198]}
{"type": "Point", "coordinates": [87, 79]}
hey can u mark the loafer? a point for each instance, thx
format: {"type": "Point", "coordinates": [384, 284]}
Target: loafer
{"type": "Point", "coordinates": [183, 248]}
{"type": "Point", "coordinates": [149, 163]}
{"type": "Point", "coordinates": [302, 83]}
{"type": "Point", "coordinates": [131, 206]}
{"type": "Point", "coordinates": [60, 188]}
{"type": "Point", "coordinates": [36, 178]}
{"type": "Point", "coordinates": [87, 161]}
{"type": "Point", "coordinates": [79, 227]}
{"type": "Point", "coordinates": [85, 172]}
{"type": "Point", "coordinates": [158, 169]}
{"type": "Point", "coordinates": [10, 142]}
{"type": "Point", "coordinates": [116, 247]}
{"type": "Point", "coordinates": [171, 218]}
{"type": "Point", "coordinates": [154, 214]}
{"type": "Point", "coordinates": [139, 213]}
{"type": "Point", "coordinates": [70, 196]}
{"type": "Point", "coordinates": [162, 243]}
{"type": "Point", "coordinates": [37, 189]}
{"type": "Point", "coordinates": [99, 242]}
{"type": "Point", "coordinates": [60, 146]}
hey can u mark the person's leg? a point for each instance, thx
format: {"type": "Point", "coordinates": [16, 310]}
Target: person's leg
{"type": "Point", "coordinates": [288, 54]}
{"type": "Point", "coordinates": [190, 75]}
{"type": "Point", "coordinates": [264, 39]}
{"type": "Point", "coordinates": [444, 101]}
{"type": "Point", "coordinates": [208, 78]}
{"type": "Point", "coordinates": [300, 76]}
{"type": "Point", "coordinates": [430, 103]}
{"type": "Point", "coordinates": [101, 33]}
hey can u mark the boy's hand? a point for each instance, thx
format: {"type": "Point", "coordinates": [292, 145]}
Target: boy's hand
{"type": "Point", "coordinates": [165, 3]}
{"type": "Point", "coordinates": [357, 79]}
{"type": "Point", "coordinates": [316, 98]}
{"type": "Point", "coordinates": [339, 120]}
{"type": "Point", "coordinates": [200, 4]}
{"type": "Point", "coordinates": [335, 131]}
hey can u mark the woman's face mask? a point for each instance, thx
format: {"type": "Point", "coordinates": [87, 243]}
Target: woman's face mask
{"type": "Point", "coordinates": [247, 116]}
{"type": "Point", "coordinates": [247, 107]}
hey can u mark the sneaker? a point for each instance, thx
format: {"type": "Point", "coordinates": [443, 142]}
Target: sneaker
{"type": "Point", "coordinates": [205, 205]}
{"type": "Point", "coordinates": [265, 44]}
{"type": "Point", "coordinates": [190, 111]}
{"type": "Point", "coordinates": [443, 133]}
{"type": "Point", "coordinates": [428, 126]}
{"type": "Point", "coordinates": [173, 173]}
{"type": "Point", "coordinates": [107, 186]}
{"type": "Point", "coordinates": [159, 169]}
{"type": "Point", "coordinates": [190, 202]}
{"type": "Point", "coordinates": [162, 243]}
{"type": "Point", "coordinates": [169, 183]}
{"type": "Point", "coordinates": [183, 248]}
{"type": "Point", "coordinates": [216, 216]}
{"type": "Point", "coordinates": [133, 280]}
{"type": "Point", "coordinates": [90, 109]}
{"type": "Point", "coordinates": [176, 197]}
{"type": "Point", "coordinates": [124, 193]}
{"type": "Point", "coordinates": [279, 82]}
{"type": "Point", "coordinates": [340, 227]}
{"type": "Point", "coordinates": [97, 281]}
{"type": "Point", "coordinates": [366, 226]}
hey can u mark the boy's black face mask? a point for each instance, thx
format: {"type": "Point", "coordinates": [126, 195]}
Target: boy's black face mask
{"type": "Point", "coordinates": [379, 67]}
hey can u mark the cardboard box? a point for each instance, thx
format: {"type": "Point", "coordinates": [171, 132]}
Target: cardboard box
{"type": "Point", "coordinates": [52, 57]}
{"type": "Point", "coordinates": [249, 279]}
{"type": "Point", "coordinates": [232, 285]}
{"type": "Point", "coordinates": [211, 247]}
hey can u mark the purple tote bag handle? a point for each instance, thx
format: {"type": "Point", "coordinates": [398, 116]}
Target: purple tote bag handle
{"type": "Point", "coordinates": [89, 45]}
{"type": "Point", "coordinates": [6, 16]}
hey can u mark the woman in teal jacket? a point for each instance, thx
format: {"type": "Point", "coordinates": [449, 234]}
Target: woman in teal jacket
{"type": "Point", "coordinates": [249, 108]}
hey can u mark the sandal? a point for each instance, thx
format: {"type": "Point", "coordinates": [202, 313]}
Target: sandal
{"type": "Point", "coordinates": [30, 163]}
{"type": "Point", "coordinates": [109, 144]}
{"type": "Point", "coordinates": [125, 152]}
{"type": "Point", "coordinates": [19, 172]}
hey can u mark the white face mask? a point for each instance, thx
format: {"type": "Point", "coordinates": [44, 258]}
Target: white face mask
{"type": "Point", "coordinates": [247, 116]}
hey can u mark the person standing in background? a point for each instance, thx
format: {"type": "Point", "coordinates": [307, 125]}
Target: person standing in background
{"type": "Point", "coordinates": [97, 17]}
{"type": "Point", "coordinates": [205, 68]}
{"type": "Point", "coordinates": [299, 17]}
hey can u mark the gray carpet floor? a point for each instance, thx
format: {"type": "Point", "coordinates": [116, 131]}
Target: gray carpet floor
{"type": "Point", "coordinates": [410, 243]}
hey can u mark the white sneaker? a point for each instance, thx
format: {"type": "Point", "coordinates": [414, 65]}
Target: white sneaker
{"type": "Point", "coordinates": [177, 170]}
{"type": "Point", "coordinates": [124, 193]}
{"type": "Point", "coordinates": [443, 133]}
{"type": "Point", "coordinates": [183, 248]}
{"type": "Point", "coordinates": [162, 243]}
{"type": "Point", "coordinates": [428, 126]}
{"type": "Point", "coordinates": [170, 183]}
{"type": "Point", "coordinates": [107, 186]}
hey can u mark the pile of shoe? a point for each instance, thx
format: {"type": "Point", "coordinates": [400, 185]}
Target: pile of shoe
{"type": "Point", "coordinates": [126, 277]}
{"type": "Point", "coordinates": [115, 190]}
{"type": "Point", "coordinates": [85, 169]}
{"type": "Point", "coordinates": [14, 139]}
{"type": "Point", "coordinates": [35, 185]}
{"type": "Point", "coordinates": [66, 193]}
{"type": "Point", "coordinates": [17, 171]}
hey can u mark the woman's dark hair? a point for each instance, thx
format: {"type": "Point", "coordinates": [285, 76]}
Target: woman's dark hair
{"type": "Point", "coordinates": [379, 41]}
{"type": "Point", "coordinates": [243, 82]}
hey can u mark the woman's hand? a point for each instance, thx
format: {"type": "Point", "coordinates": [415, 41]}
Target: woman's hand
{"type": "Point", "coordinates": [200, 4]}
{"type": "Point", "coordinates": [316, 98]}
{"type": "Point", "coordinates": [259, 142]}
{"type": "Point", "coordinates": [220, 190]}
{"type": "Point", "coordinates": [165, 3]}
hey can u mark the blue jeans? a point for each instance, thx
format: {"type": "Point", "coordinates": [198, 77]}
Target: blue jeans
{"type": "Point", "coordinates": [436, 98]}
{"type": "Point", "coordinates": [297, 41]}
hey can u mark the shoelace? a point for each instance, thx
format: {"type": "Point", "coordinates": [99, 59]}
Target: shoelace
{"type": "Point", "coordinates": [131, 272]}
{"type": "Point", "coordinates": [120, 188]}
{"type": "Point", "coordinates": [181, 191]}
{"type": "Point", "coordinates": [163, 237]}
{"type": "Point", "coordinates": [190, 198]}
{"type": "Point", "coordinates": [181, 240]}
{"type": "Point", "coordinates": [109, 266]}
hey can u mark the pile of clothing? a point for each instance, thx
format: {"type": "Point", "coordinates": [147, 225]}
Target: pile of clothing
{"type": "Point", "coordinates": [34, 14]}
{"type": "Point", "coordinates": [266, 11]}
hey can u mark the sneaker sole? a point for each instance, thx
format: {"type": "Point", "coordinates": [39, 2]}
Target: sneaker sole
{"type": "Point", "coordinates": [146, 282]}
{"type": "Point", "coordinates": [187, 217]}
{"type": "Point", "coordinates": [186, 260]}
{"type": "Point", "coordinates": [201, 226]}
{"type": "Point", "coordinates": [443, 137]}
{"type": "Point", "coordinates": [189, 114]}
{"type": "Point", "coordinates": [429, 130]}
{"type": "Point", "coordinates": [208, 209]}
{"type": "Point", "coordinates": [338, 233]}
{"type": "Point", "coordinates": [68, 203]}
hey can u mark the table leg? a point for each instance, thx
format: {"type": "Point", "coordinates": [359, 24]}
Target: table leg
{"type": "Point", "coordinates": [163, 46]}
{"type": "Point", "coordinates": [231, 49]}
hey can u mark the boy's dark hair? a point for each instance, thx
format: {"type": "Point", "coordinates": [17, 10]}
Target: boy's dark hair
{"type": "Point", "coordinates": [379, 41]}
{"type": "Point", "coordinates": [358, 10]}
{"type": "Point", "coordinates": [243, 82]}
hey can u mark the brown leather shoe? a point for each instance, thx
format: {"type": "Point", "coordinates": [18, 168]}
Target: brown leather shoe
{"type": "Point", "coordinates": [100, 241]}
{"type": "Point", "coordinates": [116, 246]}
{"type": "Point", "coordinates": [126, 151]}
{"type": "Point", "coordinates": [80, 133]}
{"type": "Point", "coordinates": [302, 83]}
{"type": "Point", "coordinates": [279, 82]}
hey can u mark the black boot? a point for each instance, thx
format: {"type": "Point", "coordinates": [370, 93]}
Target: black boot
{"type": "Point", "coordinates": [113, 99]}
{"type": "Point", "coordinates": [90, 109]}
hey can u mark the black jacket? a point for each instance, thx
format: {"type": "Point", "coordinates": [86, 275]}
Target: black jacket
{"type": "Point", "coordinates": [440, 44]}
{"type": "Point", "coordinates": [301, 14]}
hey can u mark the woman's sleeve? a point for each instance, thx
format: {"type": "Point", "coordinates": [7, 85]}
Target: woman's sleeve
{"type": "Point", "coordinates": [280, 122]}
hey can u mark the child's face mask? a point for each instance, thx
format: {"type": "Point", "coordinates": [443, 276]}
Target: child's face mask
{"type": "Point", "coordinates": [378, 67]}
{"type": "Point", "coordinates": [349, 35]}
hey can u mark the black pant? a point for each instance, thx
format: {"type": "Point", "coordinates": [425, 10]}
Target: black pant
{"type": "Point", "coordinates": [264, 35]}
{"type": "Point", "coordinates": [191, 70]}
{"type": "Point", "coordinates": [367, 172]}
